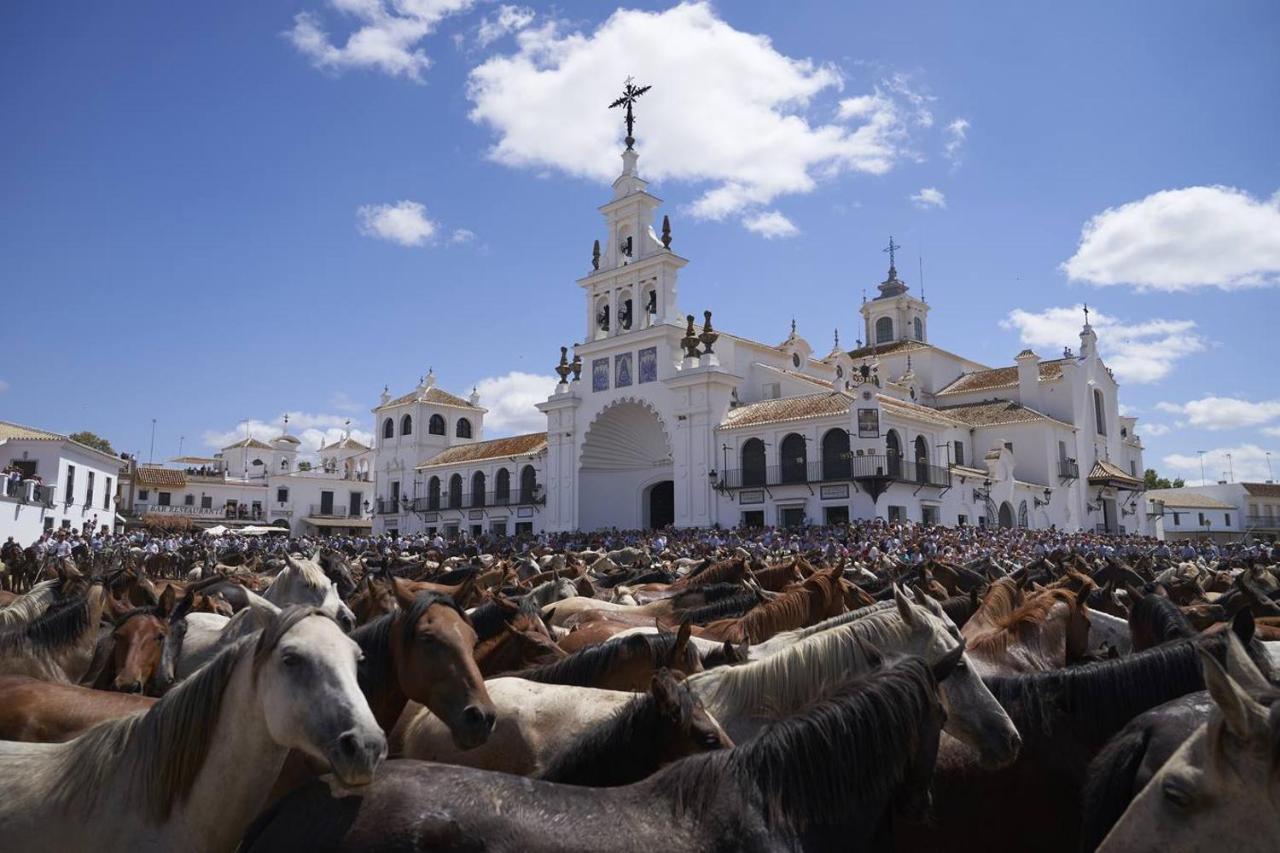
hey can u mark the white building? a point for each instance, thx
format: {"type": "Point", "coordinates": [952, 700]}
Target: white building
{"type": "Point", "coordinates": [1223, 511]}
{"type": "Point", "coordinates": [253, 482]}
{"type": "Point", "coordinates": [64, 485]}
{"type": "Point", "coordinates": [672, 424]}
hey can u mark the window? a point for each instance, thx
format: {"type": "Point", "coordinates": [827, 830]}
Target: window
{"type": "Point", "coordinates": [1177, 519]}
{"type": "Point", "coordinates": [282, 496]}
{"type": "Point", "coordinates": [893, 450]}
{"type": "Point", "coordinates": [435, 426]}
{"type": "Point", "coordinates": [71, 483]}
{"type": "Point", "coordinates": [897, 513]}
{"type": "Point", "coordinates": [143, 495]}
{"type": "Point", "coordinates": [106, 495]}
{"type": "Point", "coordinates": [388, 428]}
{"type": "Point", "coordinates": [753, 463]}
{"type": "Point", "coordinates": [1203, 522]}
{"type": "Point", "coordinates": [884, 330]}
{"type": "Point", "coordinates": [837, 462]}
{"type": "Point", "coordinates": [834, 516]}
{"type": "Point", "coordinates": [795, 359]}
{"type": "Point", "coordinates": [919, 329]}
{"type": "Point", "coordinates": [406, 425]}
{"type": "Point", "coordinates": [433, 493]}
{"type": "Point", "coordinates": [792, 516]}
{"type": "Point", "coordinates": [1099, 413]}
{"type": "Point", "coordinates": [1227, 518]}
{"type": "Point", "coordinates": [206, 502]}
{"type": "Point", "coordinates": [88, 492]}
{"type": "Point", "coordinates": [524, 528]}
{"type": "Point", "coordinates": [962, 520]}
{"type": "Point", "coordinates": [477, 489]}
{"type": "Point", "coordinates": [1133, 468]}
{"type": "Point", "coordinates": [528, 483]}
{"type": "Point", "coordinates": [499, 528]}
{"type": "Point", "coordinates": [164, 498]}
{"type": "Point", "coordinates": [463, 429]}
{"type": "Point", "coordinates": [794, 459]}
{"type": "Point", "coordinates": [1023, 520]}
{"type": "Point", "coordinates": [922, 459]}
{"type": "Point", "coordinates": [771, 390]}
{"type": "Point", "coordinates": [929, 514]}
{"type": "Point", "coordinates": [395, 492]}
{"type": "Point", "coordinates": [753, 518]}
{"type": "Point", "coordinates": [502, 487]}
{"type": "Point", "coordinates": [284, 464]}
{"type": "Point", "coordinates": [48, 523]}
{"type": "Point", "coordinates": [455, 491]}
{"type": "Point", "coordinates": [959, 450]}
{"type": "Point", "coordinates": [188, 500]}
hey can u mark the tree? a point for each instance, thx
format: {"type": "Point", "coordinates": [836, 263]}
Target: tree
{"type": "Point", "coordinates": [1152, 480]}
{"type": "Point", "coordinates": [93, 440]}
{"type": "Point", "coordinates": [304, 466]}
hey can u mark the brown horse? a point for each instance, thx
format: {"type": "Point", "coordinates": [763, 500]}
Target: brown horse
{"type": "Point", "coordinates": [44, 712]}
{"type": "Point", "coordinates": [519, 644]}
{"type": "Point", "coordinates": [1046, 632]}
{"type": "Point", "coordinates": [818, 598]}
{"type": "Point", "coordinates": [626, 663]}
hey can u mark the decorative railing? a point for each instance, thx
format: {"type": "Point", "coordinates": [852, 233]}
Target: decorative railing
{"type": "Point", "coordinates": [332, 511]}
{"type": "Point", "coordinates": [478, 500]}
{"type": "Point", "coordinates": [837, 470]}
{"type": "Point", "coordinates": [1068, 469]}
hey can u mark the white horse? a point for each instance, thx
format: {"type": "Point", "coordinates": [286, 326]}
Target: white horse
{"type": "Point", "coordinates": [27, 607]}
{"type": "Point", "coordinates": [55, 646]}
{"type": "Point", "coordinates": [302, 581]}
{"type": "Point", "coordinates": [194, 770]}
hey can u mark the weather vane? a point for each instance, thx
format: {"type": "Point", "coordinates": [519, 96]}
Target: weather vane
{"type": "Point", "coordinates": [629, 94]}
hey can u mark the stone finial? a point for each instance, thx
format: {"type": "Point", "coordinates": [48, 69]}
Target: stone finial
{"type": "Point", "coordinates": [474, 399]}
{"type": "Point", "coordinates": [666, 232]}
{"type": "Point", "coordinates": [690, 339]}
{"type": "Point", "coordinates": [576, 366]}
{"type": "Point", "coordinates": [385, 397]}
{"type": "Point", "coordinates": [429, 380]}
{"type": "Point", "coordinates": [595, 255]}
{"type": "Point", "coordinates": [563, 369]}
{"type": "Point", "coordinates": [709, 336]}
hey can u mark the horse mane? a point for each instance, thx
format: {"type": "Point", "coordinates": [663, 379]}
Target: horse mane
{"type": "Point", "coordinates": [415, 612]}
{"type": "Point", "coordinates": [52, 629]}
{"type": "Point", "coordinates": [732, 607]}
{"type": "Point", "coordinates": [374, 640]}
{"type": "Point", "coordinates": [791, 610]}
{"type": "Point", "coordinates": [726, 571]}
{"type": "Point", "coordinates": [785, 681]}
{"type": "Point", "coordinates": [310, 572]}
{"type": "Point", "coordinates": [156, 755]}
{"type": "Point", "coordinates": [1164, 619]}
{"type": "Point", "coordinates": [1034, 611]}
{"type": "Point", "coordinates": [608, 753]}
{"type": "Point", "coordinates": [587, 666]}
{"type": "Point", "coordinates": [852, 747]}
{"type": "Point", "coordinates": [29, 606]}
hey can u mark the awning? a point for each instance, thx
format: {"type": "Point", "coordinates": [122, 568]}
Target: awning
{"type": "Point", "coordinates": [340, 522]}
{"type": "Point", "coordinates": [1104, 473]}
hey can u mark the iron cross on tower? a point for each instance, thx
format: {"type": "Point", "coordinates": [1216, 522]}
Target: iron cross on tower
{"type": "Point", "coordinates": [629, 94]}
{"type": "Point", "coordinates": [891, 249]}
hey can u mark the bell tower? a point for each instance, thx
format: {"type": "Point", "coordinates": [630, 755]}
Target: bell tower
{"type": "Point", "coordinates": [632, 283]}
{"type": "Point", "coordinates": [895, 315]}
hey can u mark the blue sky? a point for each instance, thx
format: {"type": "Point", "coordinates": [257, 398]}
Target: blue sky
{"type": "Point", "coordinates": [220, 212]}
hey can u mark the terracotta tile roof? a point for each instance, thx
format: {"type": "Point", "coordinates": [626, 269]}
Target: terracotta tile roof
{"type": "Point", "coordinates": [903, 408]}
{"type": "Point", "coordinates": [160, 477]}
{"type": "Point", "coordinates": [887, 349]}
{"type": "Point", "coordinates": [249, 442]}
{"type": "Point", "coordinates": [1186, 499]}
{"type": "Point", "coordinates": [1001, 377]}
{"type": "Point", "coordinates": [347, 443]}
{"type": "Point", "coordinates": [784, 409]}
{"type": "Point", "coordinates": [432, 395]}
{"type": "Point", "coordinates": [997, 413]}
{"type": "Point", "coordinates": [1104, 472]}
{"type": "Point", "coordinates": [498, 448]}
{"type": "Point", "coordinates": [18, 431]}
{"type": "Point", "coordinates": [1263, 490]}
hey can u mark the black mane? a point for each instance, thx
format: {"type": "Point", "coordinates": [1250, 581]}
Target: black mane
{"type": "Point", "coordinates": [53, 628]}
{"type": "Point", "coordinates": [1161, 617]}
{"type": "Point", "coordinates": [726, 608]}
{"type": "Point", "coordinates": [587, 666]}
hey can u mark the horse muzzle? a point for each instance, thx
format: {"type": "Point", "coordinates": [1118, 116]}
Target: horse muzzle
{"type": "Point", "coordinates": [356, 755]}
{"type": "Point", "coordinates": [474, 726]}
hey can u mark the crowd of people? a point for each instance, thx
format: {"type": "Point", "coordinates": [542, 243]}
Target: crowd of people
{"type": "Point", "coordinates": [870, 542]}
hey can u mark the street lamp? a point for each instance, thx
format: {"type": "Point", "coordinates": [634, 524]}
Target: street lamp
{"type": "Point", "coordinates": [1048, 493]}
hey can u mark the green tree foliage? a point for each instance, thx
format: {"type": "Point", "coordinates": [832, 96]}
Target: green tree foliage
{"type": "Point", "coordinates": [93, 440]}
{"type": "Point", "coordinates": [1155, 481]}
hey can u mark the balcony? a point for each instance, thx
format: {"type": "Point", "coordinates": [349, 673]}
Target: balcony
{"type": "Point", "coordinates": [1068, 469]}
{"type": "Point", "coordinates": [27, 492]}
{"type": "Point", "coordinates": [838, 471]}
{"type": "Point", "coordinates": [332, 511]}
{"type": "Point", "coordinates": [1266, 522]}
{"type": "Point", "coordinates": [479, 500]}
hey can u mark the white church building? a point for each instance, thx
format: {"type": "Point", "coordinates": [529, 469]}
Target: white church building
{"type": "Point", "coordinates": [660, 419]}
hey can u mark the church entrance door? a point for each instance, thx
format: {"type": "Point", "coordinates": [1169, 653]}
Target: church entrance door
{"type": "Point", "coordinates": [662, 504]}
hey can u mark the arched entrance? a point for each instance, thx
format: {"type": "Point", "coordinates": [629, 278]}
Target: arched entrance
{"type": "Point", "coordinates": [661, 505]}
{"type": "Point", "coordinates": [625, 459]}
{"type": "Point", "coordinates": [1006, 515]}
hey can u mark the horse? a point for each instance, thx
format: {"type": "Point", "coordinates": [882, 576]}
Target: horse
{"type": "Point", "coordinates": [191, 772]}
{"type": "Point", "coordinates": [522, 643]}
{"type": "Point", "coordinates": [649, 732]}
{"type": "Point", "coordinates": [39, 711]}
{"type": "Point", "coordinates": [57, 646]}
{"type": "Point", "coordinates": [623, 663]}
{"type": "Point", "coordinates": [827, 777]}
{"type": "Point", "coordinates": [819, 597]}
{"type": "Point", "coordinates": [30, 605]}
{"type": "Point", "coordinates": [1049, 630]}
{"type": "Point", "coordinates": [1154, 619]}
{"type": "Point", "coordinates": [304, 582]}
{"type": "Point", "coordinates": [1218, 788]}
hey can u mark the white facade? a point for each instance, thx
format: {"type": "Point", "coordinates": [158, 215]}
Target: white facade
{"type": "Point", "coordinates": [666, 420]}
{"type": "Point", "coordinates": [76, 488]}
{"type": "Point", "coordinates": [1223, 511]}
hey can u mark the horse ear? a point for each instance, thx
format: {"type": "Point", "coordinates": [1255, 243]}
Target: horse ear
{"type": "Point", "coordinates": [947, 663]}
{"type": "Point", "coordinates": [117, 608]}
{"type": "Point", "coordinates": [682, 640]}
{"type": "Point", "coordinates": [548, 616]}
{"type": "Point", "coordinates": [168, 599]}
{"type": "Point", "coordinates": [1242, 669]}
{"type": "Point", "coordinates": [1244, 717]}
{"type": "Point", "coordinates": [744, 651]}
{"type": "Point", "coordinates": [403, 592]}
{"type": "Point", "coordinates": [665, 689]}
{"type": "Point", "coordinates": [904, 606]}
{"type": "Point", "coordinates": [1242, 625]}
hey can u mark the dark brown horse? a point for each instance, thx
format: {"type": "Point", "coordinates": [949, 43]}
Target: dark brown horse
{"type": "Point", "coordinates": [626, 663]}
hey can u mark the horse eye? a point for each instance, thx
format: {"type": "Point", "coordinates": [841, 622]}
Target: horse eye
{"type": "Point", "coordinates": [1177, 795]}
{"type": "Point", "coordinates": [291, 660]}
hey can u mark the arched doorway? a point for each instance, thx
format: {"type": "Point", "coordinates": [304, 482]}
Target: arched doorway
{"type": "Point", "coordinates": [793, 459]}
{"type": "Point", "coordinates": [753, 464]}
{"type": "Point", "coordinates": [922, 460]}
{"type": "Point", "coordinates": [1006, 515]}
{"type": "Point", "coordinates": [893, 452]}
{"type": "Point", "coordinates": [625, 456]}
{"type": "Point", "coordinates": [837, 462]}
{"type": "Point", "coordinates": [661, 505]}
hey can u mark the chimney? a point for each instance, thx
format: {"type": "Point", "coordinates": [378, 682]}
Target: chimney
{"type": "Point", "coordinates": [1028, 379]}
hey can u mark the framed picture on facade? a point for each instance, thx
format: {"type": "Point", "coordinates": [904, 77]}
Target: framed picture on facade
{"type": "Point", "coordinates": [868, 423]}
{"type": "Point", "coordinates": [622, 370]}
{"type": "Point", "coordinates": [600, 374]}
{"type": "Point", "coordinates": [648, 365]}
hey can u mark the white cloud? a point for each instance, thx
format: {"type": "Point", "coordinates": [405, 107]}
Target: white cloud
{"type": "Point", "coordinates": [1248, 463]}
{"type": "Point", "coordinates": [770, 224]}
{"type": "Point", "coordinates": [509, 19]}
{"type": "Point", "coordinates": [462, 235]}
{"type": "Point", "coordinates": [930, 197]}
{"type": "Point", "coordinates": [1182, 239]}
{"type": "Point", "coordinates": [343, 402]}
{"type": "Point", "coordinates": [1154, 430]}
{"type": "Point", "coordinates": [1217, 413]}
{"type": "Point", "coordinates": [313, 430]}
{"type": "Point", "coordinates": [1136, 352]}
{"type": "Point", "coordinates": [386, 37]}
{"type": "Point", "coordinates": [957, 131]}
{"type": "Point", "coordinates": [510, 400]}
{"type": "Point", "coordinates": [404, 222]}
{"type": "Point", "coordinates": [727, 110]}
